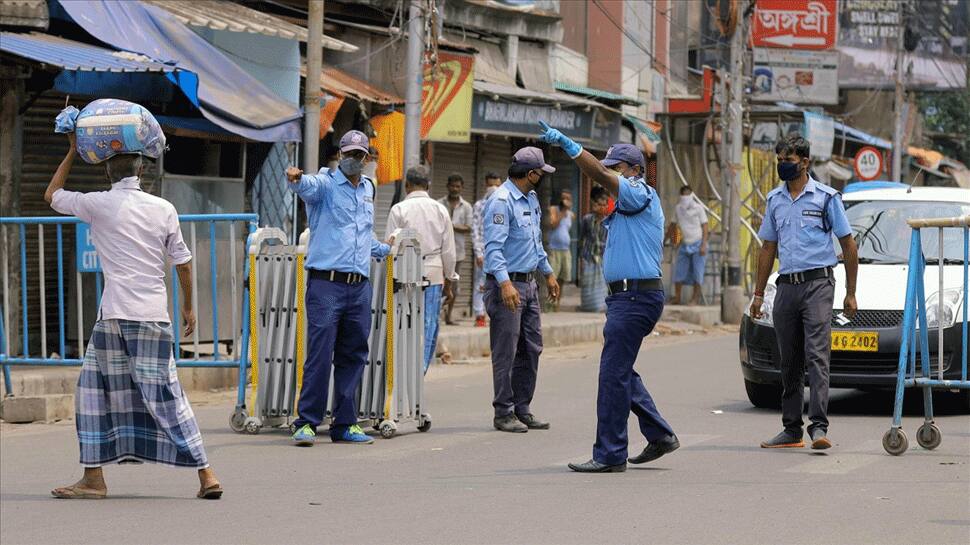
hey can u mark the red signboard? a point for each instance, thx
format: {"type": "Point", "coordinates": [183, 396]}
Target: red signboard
{"type": "Point", "coordinates": [796, 24]}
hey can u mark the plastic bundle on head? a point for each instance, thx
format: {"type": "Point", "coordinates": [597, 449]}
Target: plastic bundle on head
{"type": "Point", "coordinates": [109, 127]}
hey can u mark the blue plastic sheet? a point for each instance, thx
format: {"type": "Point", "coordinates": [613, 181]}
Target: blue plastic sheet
{"type": "Point", "coordinates": [109, 127]}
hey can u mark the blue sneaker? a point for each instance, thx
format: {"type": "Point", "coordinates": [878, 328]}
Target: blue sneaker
{"type": "Point", "coordinates": [305, 436]}
{"type": "Point", "coordinates": [352, 434]}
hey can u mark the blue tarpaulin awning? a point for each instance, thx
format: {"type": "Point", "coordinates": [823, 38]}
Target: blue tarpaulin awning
{"type": "Point", "coordinates": [227, 95]}
{"type": "Point", "coordinates": [89, 69]}
{"type": "Point", "coordinates": [863, 137]}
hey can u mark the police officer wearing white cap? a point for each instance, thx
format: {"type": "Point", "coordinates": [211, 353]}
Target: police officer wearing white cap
{"type": "Point", "coordinates": [631, 266]}
{"type": "Point", "coordinates": [340, 213]}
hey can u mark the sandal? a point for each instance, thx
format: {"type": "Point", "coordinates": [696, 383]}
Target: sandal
{"type": "Point", "coordinates": [213, 492]}
{"type": "Point", "coordinates": [75, 492]}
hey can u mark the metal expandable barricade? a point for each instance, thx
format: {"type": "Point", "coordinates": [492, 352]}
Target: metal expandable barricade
{"type": "Point", "coordinates": [391, 389]}
{"type": "Point", "coordinates": [929, 435]}
{"type": "Point", "coordinates": [219, 340]}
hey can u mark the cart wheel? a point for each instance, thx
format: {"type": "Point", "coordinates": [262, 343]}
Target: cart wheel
{"type": "Point", "coordinates": [238, 420]}
{"type": "Point", "coordinates": [425, 424]}
{"type": "Point", "coordinates": [252, 426]}
{"type": "Point", "coordinates": [895, 442]}
{"type": "Point", "coordinates": [929, 436]}
{"type": "Point", "coordinates": [388, 429]}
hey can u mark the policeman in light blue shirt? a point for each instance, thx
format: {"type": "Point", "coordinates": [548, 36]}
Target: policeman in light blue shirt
{"type": "Point", "coordinates": [631, 266]}
{"type": "Point", "coordinates": [801, 216]}
{"type": "Point", "coordinates": [513, 253]}
{"type": "Point", "coordinates": [340, 212]}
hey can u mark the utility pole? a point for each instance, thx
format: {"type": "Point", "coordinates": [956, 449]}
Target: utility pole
{"type": "Point", "coordinates": [412, 98]}
{"type": "Point", "coordinates": [733, 298]}
{"type": "Point", "coordinates": [311, 93]}
{"type": "Point", "coordinates": [899, 121]}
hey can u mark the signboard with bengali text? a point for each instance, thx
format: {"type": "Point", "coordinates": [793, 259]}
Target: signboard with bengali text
{"type": "Point", "coordinates": [796, 24]}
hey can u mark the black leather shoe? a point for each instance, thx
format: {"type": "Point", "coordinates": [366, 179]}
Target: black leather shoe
{"type": "Point", "coordinates": [656, 449]}
{"type": "Point", "coordinates": [532, 422]}
{"type": "Point", "coordinates": [510, 424]}
{"type": "Point", "coordinates": [593, 466]}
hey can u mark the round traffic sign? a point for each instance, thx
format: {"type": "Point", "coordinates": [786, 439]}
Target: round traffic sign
{"type": "Point", "coordinates": [868, 163]}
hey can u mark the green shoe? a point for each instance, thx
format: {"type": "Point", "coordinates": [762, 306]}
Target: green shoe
{"type": "Point", "coordinates": [305, 436]}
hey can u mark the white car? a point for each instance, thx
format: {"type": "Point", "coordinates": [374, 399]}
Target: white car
{"type": "Point", "coordinates": [866, 349]}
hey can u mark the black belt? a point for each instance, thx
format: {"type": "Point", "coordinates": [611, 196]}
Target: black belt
{"type": "Point", "coordinates": [337, 276]}
{"type": "Point", "coordinates": [514, 277]}
{"type": "Point", "coordinates": [648, 284]}
{"type": "Point", "coordinates": [804, 276]}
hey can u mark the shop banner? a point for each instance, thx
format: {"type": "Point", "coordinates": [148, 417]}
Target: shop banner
{"type": "Point", "coordinates": [446, 99]}
{"type": "Point", "coordinates": [498, 115]}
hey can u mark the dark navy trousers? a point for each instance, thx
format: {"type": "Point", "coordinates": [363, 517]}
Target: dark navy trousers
{"type": "Point", "coordinates": [630, 316]}
{"type": "Point", "coordinates": [516, 341]}
{"type": "Point", "coordinates": [338, 321]}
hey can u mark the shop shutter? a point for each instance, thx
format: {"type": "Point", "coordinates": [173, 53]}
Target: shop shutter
{"type": "Point", "coordinates": [460, 158]}
{"type": "Point", "coordinates": [382, 207]}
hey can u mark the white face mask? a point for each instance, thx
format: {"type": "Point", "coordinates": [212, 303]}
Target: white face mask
{"type": "Point", "coordinates": [686, 199]}
{"type": "Point", "coordinates": [489, 190]}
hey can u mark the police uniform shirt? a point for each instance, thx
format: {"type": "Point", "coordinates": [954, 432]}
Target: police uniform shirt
{"type": "Point", "coordinates": [513, 233]}
{"type": "Point", "coordinates": [799, 228]}
{"type": "Point", "coordinates": [634, 245]}
{"type": "Point", "coordinates": [341, 220]}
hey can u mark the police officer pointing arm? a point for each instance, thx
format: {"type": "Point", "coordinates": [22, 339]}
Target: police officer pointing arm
{"type": "Point", "coordinates": [800, 217]}
{"type": "Point", "coordinates": [631, 266]}
{"type": "Point", "coordinates": [340, 214]}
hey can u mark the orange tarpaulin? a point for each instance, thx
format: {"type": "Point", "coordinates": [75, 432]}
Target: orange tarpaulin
{"type": "Point", "coordinates": [925, 157]}
{"type": "Point", "coordinates": [389, 143]}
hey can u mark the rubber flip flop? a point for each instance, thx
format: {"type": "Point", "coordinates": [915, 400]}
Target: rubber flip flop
{"type": "Point", "coordinates": [78, 493]}
{"type": "Point", "coordinates": [213, 492]}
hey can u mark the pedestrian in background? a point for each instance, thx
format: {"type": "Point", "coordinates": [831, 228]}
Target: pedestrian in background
{"type": "Point", "coordinates": [631, 264]}
{"type": "Point", "coordinates": [560, 223]}
{"type": "Point", "coordinates": [461, 219]}
{"type": "Point", "coordinates": [492, 182]}
{"type": "Point", "coordinates": [431, 220]}
{"type": "Point", "coordinates": [800, 217]}
{"type": "Point", "coordinates": [129, 404]}
{"type": "Point", "coordinates": [513, 253]}
{"type": "Point", "coordinates": [340, 214]}
{"type": "Point", "coordinates": [691, 219]}
{"type": "Point", "coordinates": [592, 242]}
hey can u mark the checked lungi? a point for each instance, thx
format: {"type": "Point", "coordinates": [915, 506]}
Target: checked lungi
{"type": "Point", "coordinates": [129, 403]}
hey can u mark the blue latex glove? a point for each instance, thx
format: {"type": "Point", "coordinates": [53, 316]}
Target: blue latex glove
{"type": "Point", "coordinates": [66, 120]}
{"type": "Point", "coordinates": [554, 136]}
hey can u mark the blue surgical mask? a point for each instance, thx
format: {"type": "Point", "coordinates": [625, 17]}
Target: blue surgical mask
{"type": "Point", "coordinates": [351, 166]}
{"type": "Point", "coordinates": [788, 171]}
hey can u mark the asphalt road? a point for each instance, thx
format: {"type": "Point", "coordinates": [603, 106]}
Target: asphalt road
{"type": "Point", "coordinates": [464, 483]}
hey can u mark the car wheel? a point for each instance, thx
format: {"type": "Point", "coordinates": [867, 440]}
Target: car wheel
{"type": "Point", "coordinates": [764, 396]}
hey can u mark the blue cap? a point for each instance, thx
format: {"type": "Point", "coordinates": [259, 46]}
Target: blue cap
{"type": "Point", "coordinates": [532, 158]}
{"type": "Point", "coordinates": [627, 153]}
{"type": "Point", "coordinates": [354, 140]}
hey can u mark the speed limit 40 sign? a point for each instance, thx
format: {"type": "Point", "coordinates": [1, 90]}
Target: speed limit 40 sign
{"type": "Point", "coordinates": [868, 163]}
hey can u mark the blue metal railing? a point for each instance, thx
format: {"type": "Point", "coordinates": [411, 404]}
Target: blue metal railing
{"type": "Point", "coordinates": [929, 435]}
{"type": "Point", "coordinates": [240, 329]}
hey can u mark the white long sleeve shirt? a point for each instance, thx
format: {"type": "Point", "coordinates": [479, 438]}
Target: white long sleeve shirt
{"type": "Point", "coordinates": [436, 233]}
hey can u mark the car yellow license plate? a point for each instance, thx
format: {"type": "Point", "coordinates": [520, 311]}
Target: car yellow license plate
{"type": "Point", "coordinates": [855, 341]}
